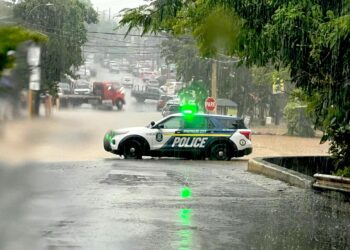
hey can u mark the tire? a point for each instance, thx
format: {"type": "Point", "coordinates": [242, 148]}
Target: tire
{"type": "Point", "coordinates": [132, 149]}
{"type": "Point", "coordinates": [119, 105]}
{"type": "Point", "coordinates": [220, 152]}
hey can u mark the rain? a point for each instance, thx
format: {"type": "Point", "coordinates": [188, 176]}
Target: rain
{"type": "Point", "coordinates": [174, 124]}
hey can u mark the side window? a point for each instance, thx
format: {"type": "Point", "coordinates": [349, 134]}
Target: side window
{"type": "Point", "coordinates": [210, 124]}
{"type": "Point", "coordinates": [232, 123]}
{"type": "Point", "coordinates": [197, 122]}
{"type": "Point", "coordinates": [173, 123]}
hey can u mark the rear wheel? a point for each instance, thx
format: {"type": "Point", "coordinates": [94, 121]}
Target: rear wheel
{"type": "Point", "coordinates": [119, 105]}
{"type": "Point", "coordinates": [132, 149]}
{"type": "Point", "coordinates": [220, 152]}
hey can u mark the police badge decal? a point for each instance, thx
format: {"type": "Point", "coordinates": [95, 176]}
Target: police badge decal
{"type": "Point", "coordinates": [159, 137]}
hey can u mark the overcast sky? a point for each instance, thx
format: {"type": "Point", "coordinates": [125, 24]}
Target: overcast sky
{"type": "Point", "coordinates": [115, 5]}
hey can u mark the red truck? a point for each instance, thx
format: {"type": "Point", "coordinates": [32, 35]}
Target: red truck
{"type": "Point", "coordinates": [104, 94]}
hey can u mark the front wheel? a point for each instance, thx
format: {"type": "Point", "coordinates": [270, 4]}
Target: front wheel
{"type": "Point", "coordinates": [132, 150]}
{"type": "Point", "coordinates": [220, 152]}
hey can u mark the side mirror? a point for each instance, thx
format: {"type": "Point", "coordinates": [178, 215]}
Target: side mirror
{"type": "Point", "coordinates": [152, 123]}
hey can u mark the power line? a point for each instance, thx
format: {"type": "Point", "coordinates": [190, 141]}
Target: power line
{"type": "Point", "coordinates": [120, 53]}
{"type": "Point", "coordinates": [119, 46]}
{"type": "Point", "coordinates": [125, 34]}
{"type": "Point", "coordinates": [110, 39]}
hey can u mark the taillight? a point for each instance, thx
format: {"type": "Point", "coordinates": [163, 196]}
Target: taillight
{"type": "Point", "coordinates": [246, 133]}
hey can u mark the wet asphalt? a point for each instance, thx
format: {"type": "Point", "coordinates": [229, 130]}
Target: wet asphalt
{"type": "Point", "coordinates": [163, 204]}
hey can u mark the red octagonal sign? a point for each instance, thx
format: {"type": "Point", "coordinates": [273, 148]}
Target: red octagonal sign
{"type": "Point", "coordinates": [210, 104]}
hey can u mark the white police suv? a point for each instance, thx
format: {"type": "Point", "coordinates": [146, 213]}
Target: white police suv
{"type": "Point", "coordinates": [193, 136]}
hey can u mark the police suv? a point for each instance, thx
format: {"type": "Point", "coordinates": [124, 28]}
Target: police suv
{"type": "Point", "coordinates": [193, 136]}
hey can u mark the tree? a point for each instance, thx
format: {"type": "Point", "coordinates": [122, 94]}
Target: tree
{"type": "Point", "coordinates": [64, 23]}
{"type": "Point", "coordinates": [311, 37]}
{"type": "Point", "coordinates": [183, 52]}
{"type": "Point", "coordinates": [11, 38]}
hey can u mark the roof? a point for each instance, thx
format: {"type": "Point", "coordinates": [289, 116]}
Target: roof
{"type": "Point", "coordinates": [208, 115]}
{"type": "Point", "coordinates": [226, 103]}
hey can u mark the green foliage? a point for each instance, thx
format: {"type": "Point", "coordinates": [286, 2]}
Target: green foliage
{"type": "Point", "coordinates": [63, 21]}
{"type": "Point", "coordinates": [183, 52]}
{"type": "Point", "coordinates": [298, 119]}
{"type": "Point", "coordinates": [10, 38]}
{"type": "Point", "coordinates": [343, 172]}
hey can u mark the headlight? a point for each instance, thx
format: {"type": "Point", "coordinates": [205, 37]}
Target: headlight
{"type": "Point", "coordinates": [110, 134]}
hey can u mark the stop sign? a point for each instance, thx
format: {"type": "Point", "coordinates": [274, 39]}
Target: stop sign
{"type": "Point", "coordinates": [210, 104]}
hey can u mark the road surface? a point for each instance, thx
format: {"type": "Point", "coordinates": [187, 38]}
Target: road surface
{"type": "Point", "coordinates": [163, 204]}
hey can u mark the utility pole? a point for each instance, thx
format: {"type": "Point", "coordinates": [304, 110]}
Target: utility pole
{"type": "Point", "coordinates": [214, 80]}
{"type": "Point", "coordinates": [33, 59]}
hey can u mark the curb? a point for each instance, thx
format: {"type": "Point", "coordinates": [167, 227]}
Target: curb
{"type": "Point", "coordinates": [260, 166]}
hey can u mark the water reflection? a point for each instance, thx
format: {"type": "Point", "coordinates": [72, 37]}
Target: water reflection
{"type": "Point", "coordinates": [185, 239]}
{"type": "Point", "coordinates": [185, 216]}
{"type": "Point", "coordinates": [185, 233]}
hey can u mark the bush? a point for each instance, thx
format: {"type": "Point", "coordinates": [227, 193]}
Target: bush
{"type": "Point", "coordinates": [343, 172]}
{"type": "Point", "coordinates": [298, 121]}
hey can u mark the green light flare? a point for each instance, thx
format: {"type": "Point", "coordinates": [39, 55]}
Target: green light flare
{"type": "Point", "coordinates": [185, 216]}
{"type": "Point", "coordinates": [186, 239]}
{"type": "Point", "coordinates": [186, 193]}
{"type": "Point", "coordinates": [189, 110]}
{"type": "Point", "coordinates": [108, 137]}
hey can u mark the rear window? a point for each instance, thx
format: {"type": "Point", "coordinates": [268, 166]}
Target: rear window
{"type": "Point", "coordinates": [232, 123]}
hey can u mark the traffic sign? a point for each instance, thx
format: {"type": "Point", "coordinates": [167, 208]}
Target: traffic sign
{"type": "Point", "coordinates": [210, 104]}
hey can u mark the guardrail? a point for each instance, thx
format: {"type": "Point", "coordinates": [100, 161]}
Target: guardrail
{"type": "Point", "coordinates": [333, 183]}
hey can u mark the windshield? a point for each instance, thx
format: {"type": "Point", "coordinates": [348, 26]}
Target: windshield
{"type": "Point", "coordinates": [251, 145]}
{"type": "Point", "coordinates": [82, 86]}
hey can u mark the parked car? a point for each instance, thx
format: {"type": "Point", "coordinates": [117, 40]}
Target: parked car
{"type": "Point", "coordinates": [171, 109]}
{"type": "Point", "coordinates": [142, 93]}
{"type": "Point", "coordinates": [153, 83]}
{"type": "Point", "coordinates": [128, 82]}
{"type": "Point", "coordinates": [114, 68]}
{"type": "Point", "coordinates": [163, 100]}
